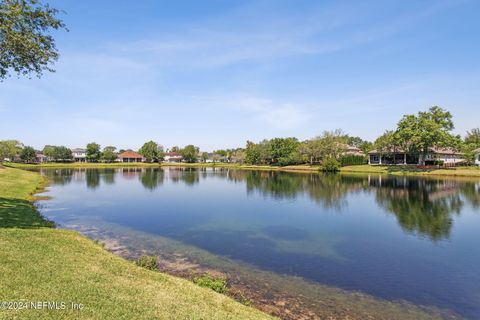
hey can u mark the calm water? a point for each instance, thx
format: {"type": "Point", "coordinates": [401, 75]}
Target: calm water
{"type": "Point", "coordinates": [392, 237]}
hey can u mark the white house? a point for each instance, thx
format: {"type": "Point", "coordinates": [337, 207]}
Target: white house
{"type": "Point", "coordinates": [79, 155]}
{"type": "Point", "coordinates": [40, 157]}
{"type": "Point", "coordinates": [172, 157]}
{"type": "Point", "coordinates": [477, 157]}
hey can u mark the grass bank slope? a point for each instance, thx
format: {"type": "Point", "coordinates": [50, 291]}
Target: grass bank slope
{"type": "Point", "coordinates": [79, 165]}
{"type": "Point", "coordinates": [411, 170]}
{"type": "Point", "coordinates": [41, 264]}
{"type": "Point", "coordinates": [63, 266]}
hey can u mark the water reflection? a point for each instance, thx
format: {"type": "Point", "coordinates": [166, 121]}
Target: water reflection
{"type": "Point", "coordinates": [109, 176]}
{"type": "Point", "coordinates": [92, 177]}
{"type": "Point", "coordinates": [151, 178]}
{"type": "Point", "coordinates": [422, 206]}
{"type": "Point", "coordinates": [350, 231]}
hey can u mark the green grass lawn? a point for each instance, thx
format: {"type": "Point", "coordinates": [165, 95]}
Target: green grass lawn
{"type": "Point", "coordinates": [16, 188]}
{"type": "Point", "coordinates": [38, 263]}
{"type": "Point", "coordinates": [19, 184]}
{"type": "Point", "coordinates": [411, 170]}
{"type": "Point", "coordinates": [79, 165]}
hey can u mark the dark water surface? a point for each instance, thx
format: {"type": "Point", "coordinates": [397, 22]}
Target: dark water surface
{"type": "Point", "coordinates": [415, 239]}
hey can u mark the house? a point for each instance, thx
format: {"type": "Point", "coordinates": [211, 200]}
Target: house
{"type": "Point", "coordinates": [40, 157]}
{"type": "Point", "coordinates": [130, 156]}
{"type": "Point", "coordinates": [172, 157]}
{"type": "Point", "coordinates": [353, 151]}
{"type": "Point", "coordinates": [448, 156]}
{"type": "Point", "coordinates": [477, 156]}
{"type": "Point", "coordinates": [79, 155]}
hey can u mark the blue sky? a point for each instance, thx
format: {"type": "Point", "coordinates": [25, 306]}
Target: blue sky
{"type": "Point", "coordinates": [216, 73]}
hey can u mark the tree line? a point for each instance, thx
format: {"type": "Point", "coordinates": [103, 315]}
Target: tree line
{"type": "Point", "coordinates": [414, 134]}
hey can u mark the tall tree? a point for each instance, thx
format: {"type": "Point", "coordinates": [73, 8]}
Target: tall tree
{"type": "Point", "coordinates": [470, 144]}
{"type": "Point", "coordinates": [28, 154]}
{"type": "Point", "coordinates": [216, 157]}
{"type": "Point", "coordinates": [252, 153]}
{"type": "Point", "coordinates": [57, 153]}
{"type": "Point", "coordinates": [152, 151]}
{"type": "Point", "coordinates": [26, 43]}
{"type": "Point", "coordinates": [429, 129]}
{"type": "Point", "coordinates": [473, 137]}
{"type": "Point", "coordinates": [9, 149]}
{"type": "Point", "coordinates": [387, 143]}
{"type": "Point", "coordinates": [312, 150]}
{"type": "Point", "coordinates": [331, 144]}
{"type": "Point", "coordinates": [189, 153]}
{"type": "Point", "coordinates": [366, 146]}
{"type": "Point", "coordinates": [48, 151]}
{"type": "Point", "coordinates": [354, 141]}
{"type": "Point", "coordinates": [109, 154]}
{"type": "Point", "coordinates": [284, 151]}
{"type": "Point", "coordinates": [63, 153]}
{"type": "Point", "coordinates": [93, 152]}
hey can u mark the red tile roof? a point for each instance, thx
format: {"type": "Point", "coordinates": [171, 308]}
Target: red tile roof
{"type": "Point", "coordinates": [130, 154]}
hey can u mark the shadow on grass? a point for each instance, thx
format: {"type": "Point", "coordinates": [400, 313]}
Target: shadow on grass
{"type": "Point", "coordinates": [17, 213]}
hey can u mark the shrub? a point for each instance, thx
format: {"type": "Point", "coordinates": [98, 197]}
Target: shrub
{"type": "Point", "coordinates": [352, 160]}
{"type": "Point", "coordinates": [216, 284]}
{"type": "Point", "coordinates": [330, 164]}
{"type": "Point", "coordinates": [148, 262]}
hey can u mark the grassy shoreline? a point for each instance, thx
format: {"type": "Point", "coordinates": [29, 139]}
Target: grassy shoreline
{"type": "Point", "coordinates": [377, 169]}
{"type": "Point", "coordinates": [40, 263]}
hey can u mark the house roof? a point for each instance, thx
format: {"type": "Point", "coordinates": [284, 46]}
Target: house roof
{"type": "Point", "coordinates": [130, 154]}
{"type": "Point", "coordinates": [434, 150]}
{"type": "Point", "coordinates": [375, 151]}
{"type": "Point", "coordinates": [172, 154]}
{"type": "Point", "coordinates": [445, 151]}
{"type": "Point", "coordinates": [79, 150]}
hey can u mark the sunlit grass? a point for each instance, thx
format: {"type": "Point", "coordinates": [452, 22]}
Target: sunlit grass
{"type": "Point", "coordinates": [412, 170]}
{"type": "Point", "coordinates": [53, 265]}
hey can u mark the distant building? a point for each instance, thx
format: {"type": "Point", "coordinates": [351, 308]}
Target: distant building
{"type": "Point", "coordinates": [210, 158]}
{"type": "Point", "coordinates": [172, 157]}
{"type": "Point", "coordinates": [353, 151]}
{"type": "Point", "coordinates": [40, 157]}
{"type": "Point", "coordinates": [79, 155]}
{"type": "Point", "coordinates": [448, 156]}
{"type": "Point", "coordinates": [477, 157]}
{"type": "Point", "coordinates": [130, 156]}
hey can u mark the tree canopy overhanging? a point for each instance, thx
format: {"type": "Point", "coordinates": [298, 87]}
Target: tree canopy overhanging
{"type": "Point", "coordinates": [26, 44]}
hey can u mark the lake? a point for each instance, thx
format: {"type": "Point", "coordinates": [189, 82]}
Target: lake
{"type": "Point", "coordinates": [357, 241]}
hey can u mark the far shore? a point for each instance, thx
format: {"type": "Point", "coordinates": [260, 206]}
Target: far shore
{"type": "Point", "coordinates": [377, 169]}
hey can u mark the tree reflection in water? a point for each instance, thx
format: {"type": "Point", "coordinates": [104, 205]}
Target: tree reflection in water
{"type": "Point", "coordinates": [151, 178]}
{"type": "Point", "coordinates": [422, 206]}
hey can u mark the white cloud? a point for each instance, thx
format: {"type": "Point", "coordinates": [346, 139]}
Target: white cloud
{"type": "Point", "coordinates": [260, 36]}
{"type": "Point", "coordinates": [265, 112]}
